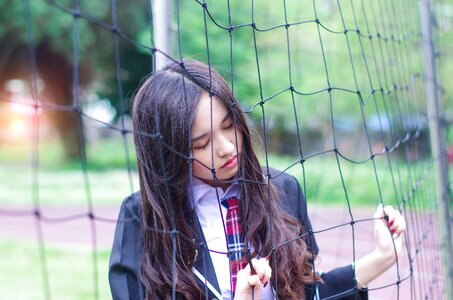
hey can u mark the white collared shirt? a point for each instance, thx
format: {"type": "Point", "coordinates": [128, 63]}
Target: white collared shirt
{"type": "Point", "coordinates": [206, 200]}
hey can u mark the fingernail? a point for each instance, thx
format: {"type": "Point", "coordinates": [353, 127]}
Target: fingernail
{"type": "Point", "coordinates": [391, 223]}
{"type": "Point", "coordinates": [392, 231]}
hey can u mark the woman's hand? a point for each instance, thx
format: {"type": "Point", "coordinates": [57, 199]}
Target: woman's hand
{"type": "Point", "coordinates": [247, 282]}
{"type": "Point", "coordinates": [389, 226]}
{"type": "Point", "coordinates": [388, 244]}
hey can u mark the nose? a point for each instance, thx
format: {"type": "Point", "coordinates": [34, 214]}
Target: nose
{"type": "Point", "coordinates": [225, 146]}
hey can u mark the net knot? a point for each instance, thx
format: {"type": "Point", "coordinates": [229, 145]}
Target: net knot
{"type": "Point", "coordinates": [76, 14]}
{"type": "Point", "coordinates": [77, 109]}
{"type": "Point", "coordinates": [116, 30]}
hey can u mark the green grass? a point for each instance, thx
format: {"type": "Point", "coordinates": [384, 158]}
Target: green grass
{"type": "Point", "coordinates": [68, 187]}
{"type": "Point", "coordinates": [365, 184]}
{"type": "Point", "coordinates": [108, 181]}
{"type": "Point", "coordinates": [101, 155]}
{"type": "Point", "coordinates": [70, 272]}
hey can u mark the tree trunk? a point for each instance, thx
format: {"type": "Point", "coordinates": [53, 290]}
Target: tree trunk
{"type": "Point", "coordinates": [56, 72]}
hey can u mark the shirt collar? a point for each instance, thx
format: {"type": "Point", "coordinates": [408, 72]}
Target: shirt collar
{"type": "Point", "coordinates": [200, 190]}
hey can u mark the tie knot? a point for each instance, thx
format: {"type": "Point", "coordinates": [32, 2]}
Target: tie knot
{"type": "Point", "coordinates": [231, 203]}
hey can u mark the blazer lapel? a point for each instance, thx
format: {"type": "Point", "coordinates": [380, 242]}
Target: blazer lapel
{"type": "Point", "coordinates": [203, 267]}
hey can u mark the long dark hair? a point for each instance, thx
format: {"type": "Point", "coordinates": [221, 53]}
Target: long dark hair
{"type": "Point", "coordinates": [163, 115]}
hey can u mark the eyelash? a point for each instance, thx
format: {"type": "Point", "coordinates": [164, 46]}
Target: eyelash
{"type": "Point", "coordinates": [203, 147]}
{"type": "Point", "coordinates": [229, 126]}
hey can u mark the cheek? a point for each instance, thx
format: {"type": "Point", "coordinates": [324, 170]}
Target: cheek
{"type": "Point", "coordinates": [196, 169]}
{"type": "Point", "coordinates": [239, 141]}
{"type": "Point", "coordinates": [202, 163]}
{"type": "Point", "coordinates": [203, 157]}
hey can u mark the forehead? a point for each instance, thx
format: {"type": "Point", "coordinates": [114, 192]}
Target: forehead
{"type": "Point", "coordinates": [207, 109]}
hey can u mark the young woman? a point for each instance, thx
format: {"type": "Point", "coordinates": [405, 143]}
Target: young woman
{"type": "Point", "coordinates": [174, 239]}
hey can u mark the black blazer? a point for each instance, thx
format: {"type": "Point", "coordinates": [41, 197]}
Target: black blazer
{"type": "Point", "coordinates": [124, 272]}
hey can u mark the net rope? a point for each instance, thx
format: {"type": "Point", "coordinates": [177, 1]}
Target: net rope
{"type": "Point", "coordinates": [379, 39]}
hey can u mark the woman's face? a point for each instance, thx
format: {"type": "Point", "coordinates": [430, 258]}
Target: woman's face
{"type": "Point", "coordinates": [218, 147]}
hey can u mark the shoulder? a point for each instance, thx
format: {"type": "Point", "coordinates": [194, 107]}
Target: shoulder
{"type": "Point", "coordinates": [288, 190]}
{"type": "Point", "coordinates": [131, 205]}
{"type": "Point", "coordinates": [126, 242]}
{"type": "Point", "coordinates": [285, 183]}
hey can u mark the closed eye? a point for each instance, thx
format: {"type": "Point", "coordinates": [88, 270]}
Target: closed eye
{"type": "Point", "coordinates": [229, 125]}
{"type": "Point", "coordinates": [202, 147]}
{"type": "Point", "coordinates": [227, 122]}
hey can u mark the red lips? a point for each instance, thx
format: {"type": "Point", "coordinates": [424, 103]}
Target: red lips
{"type": "Point", "coordinates": [231, 162]}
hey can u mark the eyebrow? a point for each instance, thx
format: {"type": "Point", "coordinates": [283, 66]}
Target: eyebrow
{"type": "Point", "coordinates": [227, 116]}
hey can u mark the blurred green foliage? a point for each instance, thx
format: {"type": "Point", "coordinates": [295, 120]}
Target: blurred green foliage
{"type": "Point", "coordinates": [55, 28]}
{"type": "Point", "coordinates": [319, 49]}
{"type": "Point", "coordinates": [306, 56]}
{"type": "Point", "coordinates": [54, 21]}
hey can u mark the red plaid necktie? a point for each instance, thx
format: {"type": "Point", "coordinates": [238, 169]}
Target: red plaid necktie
{"type": "Point", "coordinates": [235, 239]}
